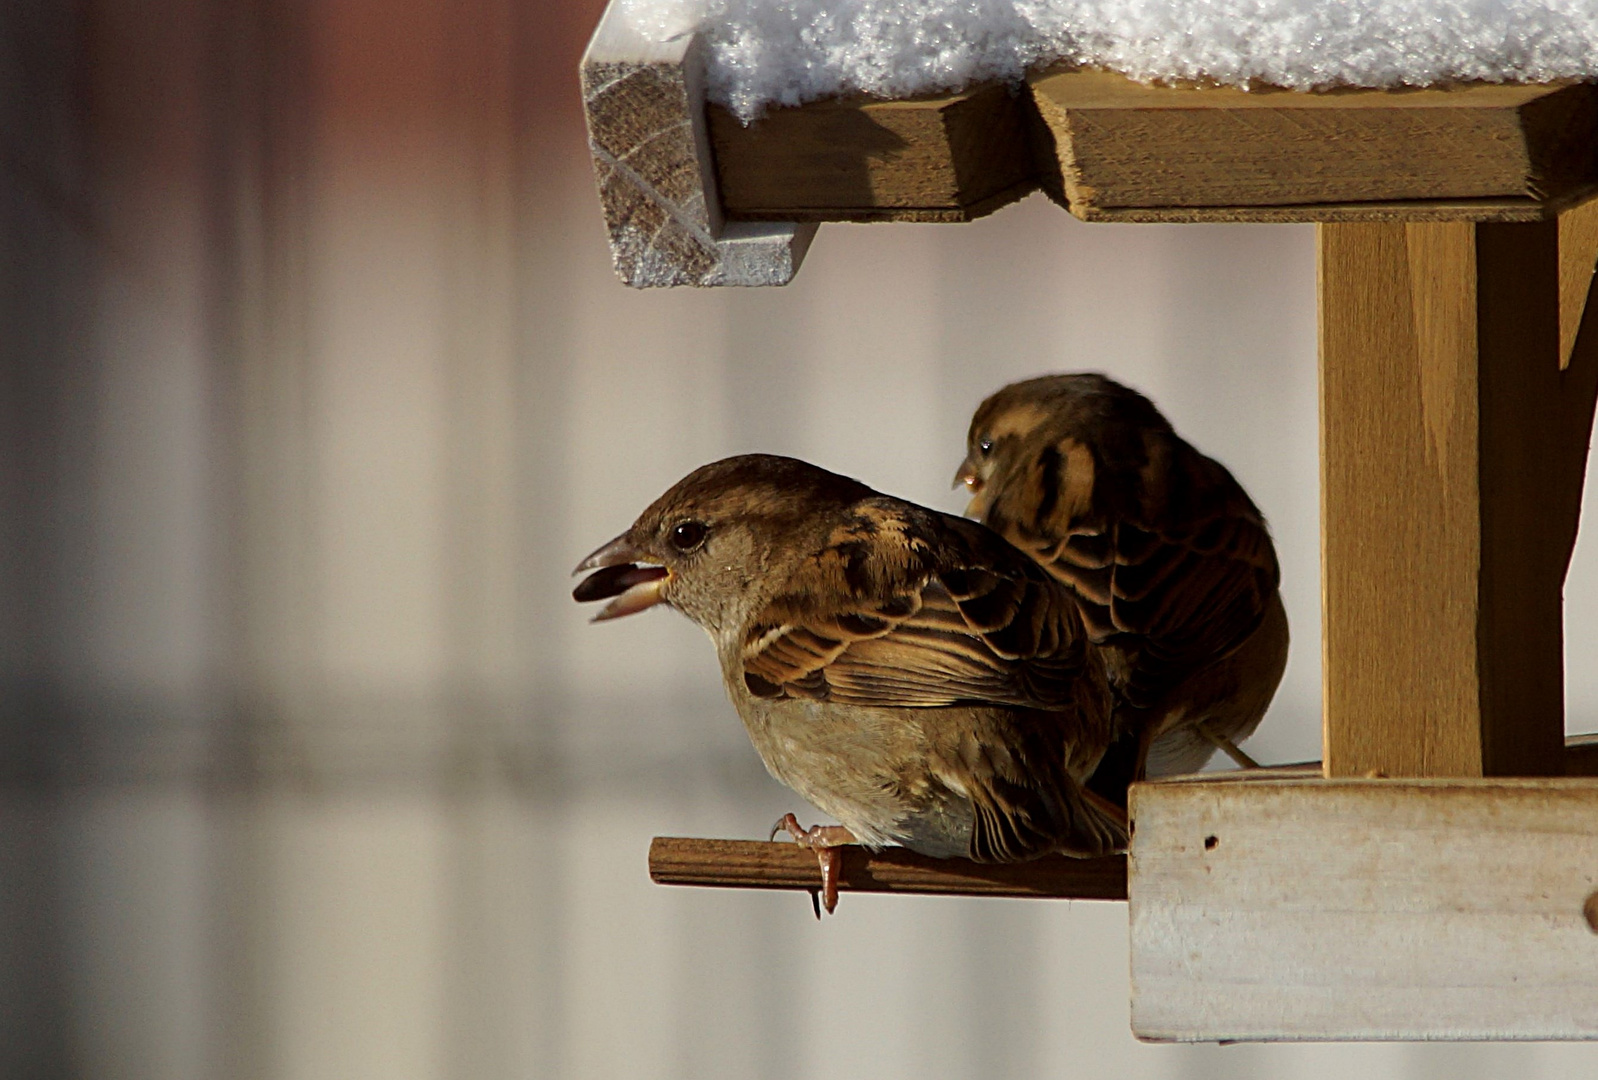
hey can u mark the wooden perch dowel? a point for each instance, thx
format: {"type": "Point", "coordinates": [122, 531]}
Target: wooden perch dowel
{"type": "Point", "coordinates": [755, 864]}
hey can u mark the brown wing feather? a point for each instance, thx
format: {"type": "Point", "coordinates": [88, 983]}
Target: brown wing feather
{"type": "Point", "coordinates": [1179, 564]}
{"type": "Point", "coordinates": [937, 611]}
{"type": "Point", "coordinates": [1025, 804]}
{"type": "Point", "coordinates": [927, 610]}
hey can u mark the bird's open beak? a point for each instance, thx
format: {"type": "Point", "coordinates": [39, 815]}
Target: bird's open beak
{"type": "Point", "coordinates": [622, 574]}
{"type": "Point", "coordinates": [967, 474]}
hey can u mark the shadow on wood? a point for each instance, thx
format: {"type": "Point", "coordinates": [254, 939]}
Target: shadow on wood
{"type": "Point", "coordinates": [951, 157]}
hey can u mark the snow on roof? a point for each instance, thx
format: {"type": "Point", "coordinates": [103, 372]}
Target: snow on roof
{"type": "Point", "coordinates": [785, 52]}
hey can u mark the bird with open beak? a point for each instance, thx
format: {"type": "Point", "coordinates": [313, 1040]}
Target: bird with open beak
{"type": "Point", "coordinates": [1171, 561]}
{"type": "Point", "coordinates": [906, 671]}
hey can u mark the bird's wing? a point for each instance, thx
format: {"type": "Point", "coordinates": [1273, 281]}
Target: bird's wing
{"type": "Point", "coordinates": [906, 607]}
{"type": "Point", "coordinates": [1189, 570]}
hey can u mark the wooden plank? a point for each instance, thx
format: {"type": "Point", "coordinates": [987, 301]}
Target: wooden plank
{"type": "Point", "coordinates": [946, 157]}
{"type": "Point", "coordinates": [1443, 555]}
{"type": "Point", "coordinates": [754, 864]}
{"type": "Point", "coordinates": [1109, 142]}
{"type": "Point", "coordinates": [1508, 209]}
{"type": "Point", "coordinates": [1342, 909]}
{"type": "Point", "coordinates": [644, 103]}
{"type": "Point", "coordinates": [1115, 150]}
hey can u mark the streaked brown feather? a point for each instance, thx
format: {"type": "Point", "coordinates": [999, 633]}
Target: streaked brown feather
{"type": "Point", "coordinates": [1172, 562]}
{"type": "Point", "coordinates": [919, 609]}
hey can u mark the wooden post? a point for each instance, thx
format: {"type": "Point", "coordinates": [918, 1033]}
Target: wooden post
{"type": "Point", "coordinates": [1450, 480]}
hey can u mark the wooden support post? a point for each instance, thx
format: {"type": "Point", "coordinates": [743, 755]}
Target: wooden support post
{"type": "Point", "coordinates": [1452, 453]}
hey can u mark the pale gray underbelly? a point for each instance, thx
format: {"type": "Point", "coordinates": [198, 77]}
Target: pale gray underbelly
{"type": "Point", "coordinates": [864, 767]}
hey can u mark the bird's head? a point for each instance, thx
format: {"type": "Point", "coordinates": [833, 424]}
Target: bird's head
{"type": "Point", "coordinates": [999, 439]}
{"type": "Point", "coordinates": [712, 545]}
{"type": "Point", "coordinates": [1028, 450]}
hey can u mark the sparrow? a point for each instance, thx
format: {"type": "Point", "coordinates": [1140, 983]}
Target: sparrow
{"type": "Point", "coordinates": [908, 672]}
{"type": "Point", "coordinates": [1171, 561]}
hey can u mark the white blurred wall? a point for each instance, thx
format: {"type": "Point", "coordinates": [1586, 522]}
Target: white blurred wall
{"type": "Point", "coordinates": [316, 384]}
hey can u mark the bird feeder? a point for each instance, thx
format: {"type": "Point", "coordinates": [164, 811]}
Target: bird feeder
{"type": "Point", "coordinates": [1436, 875]}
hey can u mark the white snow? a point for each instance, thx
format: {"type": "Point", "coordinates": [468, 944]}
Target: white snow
{"type": "Point", "coordinates": [784, 52]}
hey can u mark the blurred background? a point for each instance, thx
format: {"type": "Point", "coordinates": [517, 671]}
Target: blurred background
{"type": "Point", "coordinates": [314, 384]}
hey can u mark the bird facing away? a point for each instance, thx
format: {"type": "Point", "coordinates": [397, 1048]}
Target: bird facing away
{"type": "Point", "coordinates": [1170, 559]}
{"type": "Point", "coordinates": [908, 672]}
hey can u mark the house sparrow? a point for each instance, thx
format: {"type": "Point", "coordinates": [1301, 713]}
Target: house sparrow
{"type": "Point", "coordinates": [908, 672]}
{"type": "Point", "coordinates": [1171, 561]}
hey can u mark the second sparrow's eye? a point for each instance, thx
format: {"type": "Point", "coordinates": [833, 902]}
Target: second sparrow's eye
{"type": "Point", "coordinates": [687, 535]}
{"type": "Point", "coordinates": [985, 446]}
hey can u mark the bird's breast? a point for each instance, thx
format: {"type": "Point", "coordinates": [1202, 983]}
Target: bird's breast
{"type": "Point", "coordinates": [867, 767]}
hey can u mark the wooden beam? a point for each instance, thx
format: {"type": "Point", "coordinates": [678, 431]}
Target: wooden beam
{"type": "Point", "coordinates": [1578, 254]}
{"type": "Point", "coordinates": [1578, 376]}
{"type": "Point", "coordinates": [693, 196]}
{"type": "Point", "coordinates": [1443, 499]}
{"type": "Point", "coordinates": [1315, 909]}
{"type": "Point", "coordinates": [948, 157]}
{"type": "Point", "coordinates": [1504, 209]}
{"type": "Point", "coordinates": [644, 103]}
{"type": "Point", "coordinates": [754, 864]}
{"type": "Point", "coordinates": [1119, 144]}
{"type": "Point", "coordinates": [1111, 149]}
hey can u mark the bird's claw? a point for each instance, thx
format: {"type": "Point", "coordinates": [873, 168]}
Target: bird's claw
{"type": "Point", "coordinates": [789, 824]}
{"type": "Point", "coordinates": [823, 840]}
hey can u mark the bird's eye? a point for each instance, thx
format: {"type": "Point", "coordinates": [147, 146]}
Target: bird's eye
{"type": "Point", "coordinates": [687, 535]}
{"type": "Point", "coordinates": [985, 446]}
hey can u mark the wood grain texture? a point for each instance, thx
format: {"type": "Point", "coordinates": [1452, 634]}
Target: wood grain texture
{"type": "Point", "coordinates": [1307, 909]}
{"type": "Point", "coordinates": [692, 196]}
{"type": "Point", "coordinates": [1443, 499]}
{"type": "Point", "coordinates": [644, 105]}
{"type": "Point", "coordinates": [949, 157]}
{"type": "Point", "coordinates": [754, 864]}
{"type": "Point", "coordinates": [1578, 254]}
{"type": "Point", "coordinates": [1120, 144]}
{"type": "Point", "coordinates": [1578, 377]}
{"type": "Point", "coordinates": [1115, 150]}
{"type": "Point", "coordinates": [1508, 209]}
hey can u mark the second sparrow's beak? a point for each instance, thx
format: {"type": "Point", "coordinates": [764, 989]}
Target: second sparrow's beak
{"type": "Point", "coordinates": [967, 474]}
{"type": "Point", "coordinates": [624, 575]}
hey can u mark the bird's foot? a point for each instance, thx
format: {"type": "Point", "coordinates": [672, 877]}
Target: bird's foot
{"type": "Point", "coordinates": [822, 839]}
{"type": "Point", "coordinates": [1226, 746]}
